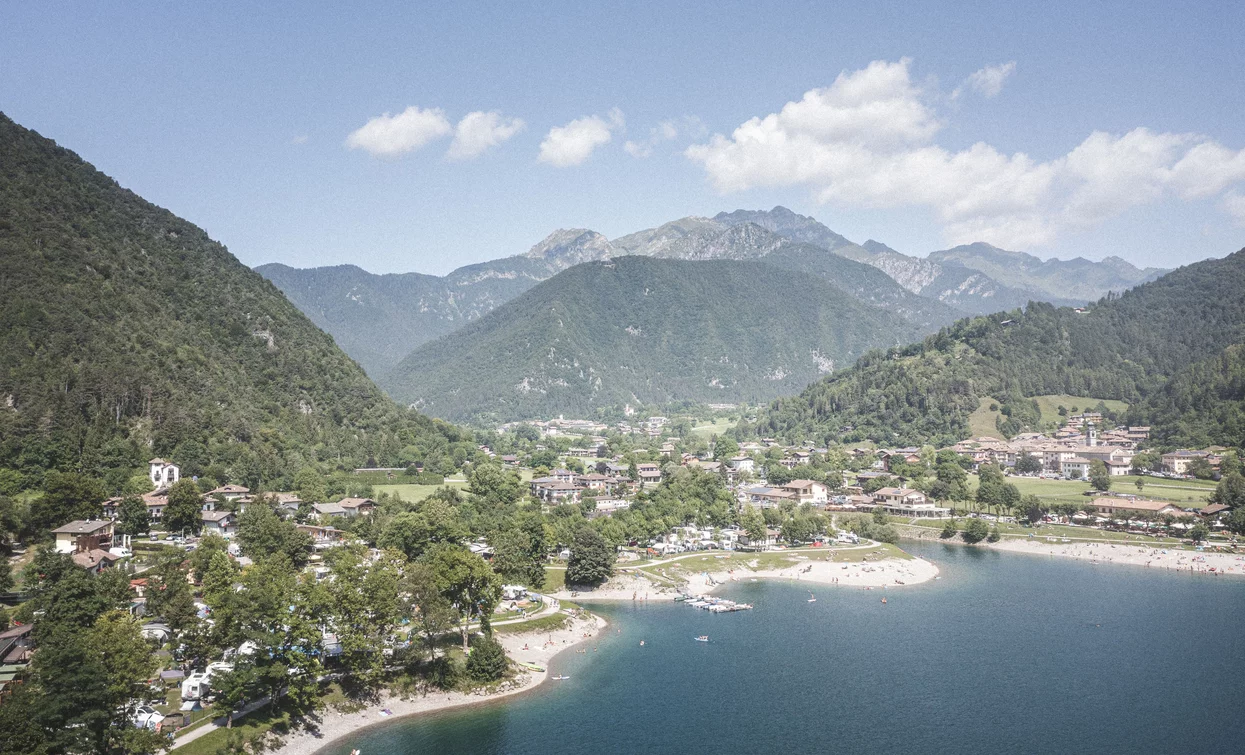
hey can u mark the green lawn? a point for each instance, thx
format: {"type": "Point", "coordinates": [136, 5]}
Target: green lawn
{"type": "Point", "coordinates": [1049, 405]}
{"type": "Point", "coordinates": [1184, 493]}
{"type": "Point", "coordinates": [413, 493]}
{"type": "Point", "coordinates": [555, 579]}
{"type": "Point", "coordinates": [981, 421]}
{"type": "Point", "coordinates": [717, 427]}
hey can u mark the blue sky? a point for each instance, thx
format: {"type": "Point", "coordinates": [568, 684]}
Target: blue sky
{"type": "Point", "coordinates": [1099, 128]}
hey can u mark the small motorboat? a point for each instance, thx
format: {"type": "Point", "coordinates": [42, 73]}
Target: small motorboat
{"type": "Point", "coordinates": [702, 638]}
{"type": "Point", "coordinates": [812, 598]}
{"type": "Point", "coordinates": [641, 643]}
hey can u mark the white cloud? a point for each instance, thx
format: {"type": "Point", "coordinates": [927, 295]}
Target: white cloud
{"type": "Point", "coordinates": [480, 131]}
{"type": "Point", "coordinates": [1234, 204]}
{"type": "Point", "coordinates": [393, 135]}
{"type": "Point", "coordinates": [573, 143]}
{"type": "Point", "coordinates": [300, 139]}
{"type": "Point", "coordinates": [987, 81]}
{"type": "Point", "coordinates": [869, 140]}
{"type": "Point", "coordinates": [688, 127]}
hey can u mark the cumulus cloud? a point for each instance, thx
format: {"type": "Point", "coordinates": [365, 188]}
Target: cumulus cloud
{"type": "Point", "coordinates": [987, 81]}
{"type": "Point", "coordinates": [480, 131]}
{"type": "Point", "coordinates": [688, 127]}
{"type": "Point", "coordinates": [393, 135]}
{"type": "Point", "coordinates": [1234, 204]}
{"type": "Point", "coordinates": [868, 140]}
{"type": "Point", "coordinates": [572, 144]}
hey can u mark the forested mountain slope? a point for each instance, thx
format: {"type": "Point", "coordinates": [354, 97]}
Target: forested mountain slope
{"type": "Point", "coordinates": [1126, 347]}
{"type": "Point", "coordinates": [127, 333]}
{"type": "Point", "coordinates": [639, 329]}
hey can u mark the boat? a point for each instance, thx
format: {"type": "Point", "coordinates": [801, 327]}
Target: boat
{"type": "Point", "coordinates": [532, 666]}
{"type": "Point", "coordinates": [812, 598]}
{"type": "Point", "coordinates": [560, 677]}
{"type": "Point", "coordinates": [883, 600]}
{"type": "Point", "coordinates": [703, 638]}
{"type": "Point", "coordinates": [641, 643]}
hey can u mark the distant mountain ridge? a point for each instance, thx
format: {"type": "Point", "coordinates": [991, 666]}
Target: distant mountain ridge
{"type": "Point", "coordinates": [638, 329]}
{"type": "Point", "coordinates": [379, 319]}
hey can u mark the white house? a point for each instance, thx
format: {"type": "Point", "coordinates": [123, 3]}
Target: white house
{"type": "Point", "coordinates": [808, 491]}
{"type": "Point", "coordinates": [1075, 468]}
{"type": "Point", "coordinates": [222, 523]}
{"type": "Point", "coordinates": [741, 464]}
{"type": "Point", "coordinates": [908, 502]}
{"type": "Point", "coordinates": [163, 473]}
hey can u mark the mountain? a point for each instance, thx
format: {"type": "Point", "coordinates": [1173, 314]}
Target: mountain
{"type": "Point", "coordinates": [378, 319]}
{"type": "Point", "coordinates": [959, 286]}
{"type": "Point", "coordinates": [1078, 278]}
{"type": "Point", "coordinates": [1132, 347]}
{"type": "Point", "coordinates": [1202, 405]}
{"type": "Point", "coordinates": [127, 333]}
{"type": "Point", "coordinates": [648, 330]}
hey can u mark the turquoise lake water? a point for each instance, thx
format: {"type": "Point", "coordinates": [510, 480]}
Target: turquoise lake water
{"type": "Point", "coordinates": [1005, 653]}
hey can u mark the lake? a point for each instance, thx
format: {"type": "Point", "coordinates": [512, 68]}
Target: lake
{"type": "Point", "coordinates": [1005, 653]}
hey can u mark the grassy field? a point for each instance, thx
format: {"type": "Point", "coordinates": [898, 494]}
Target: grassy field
{"type": "Point", "coordinates": [717, 427]}
{"type": "Point", "coordinates": [1185, 493]}
{"type": "Point", "coordinates": [981, 421]}
{"type": "Point", "coordinates": [555, 579]}
{"type": "Point", "coordinates": [414, 493]}
{"type": "Point", "coordinates": [1049, 405]}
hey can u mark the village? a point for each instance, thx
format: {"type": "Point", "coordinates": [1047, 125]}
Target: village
{"type": "Point", "coordinates": [844, 496]}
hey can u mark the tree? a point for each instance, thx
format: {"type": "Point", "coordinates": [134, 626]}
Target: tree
{"type": "Point", "coordinates": [184, 512]}
{"type": "Point", "coordinates": [994, 535]}
{"type": "Point", "coordinates": [592, 559]}
{"type": "Point", "coordinates": [495, 486]}
{"type": "Point", "coordinates": [168, 592]}
{"type": "Point", "coordinates": [1099, 476]}
{"type": "Point", "coordinates": [976, 530]}
{"type": "Point", "coordinates": [1141, 484]}
{"type": "Point", "coordinates": [519, 552]}
{"type": "Point", "coordinates": [262, 534]}
{"type": "Point", "coordinates": [67, 496]}
{"type": "Point", "coordinates": [132, 516]}
{"type": "Point", "coordinates": [467, 582]}
{"type": "Point", "coordinates": [949, 529]}
{"type": "Point", "coordinates": [432, 613]}
{"type": "Point", "coordinates": [310, 485]}
{"type": "Point", "coordinates": [1026, 463]}
{"type": "Point", "coordinates": [487, 662]}
{"type": "Point", "coordinates": [1199, 532]}
{"type": "Point", "coordinates": [725, 448]}
{"type": "Point", "coordinates": [1201, 468]}
{"type": "Point", "coordinates": [754, 524]}
{"type": "Point", "coordinates": [1146, 461]}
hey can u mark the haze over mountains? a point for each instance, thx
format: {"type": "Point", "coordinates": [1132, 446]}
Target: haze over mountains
{"type": "Point", "coordinates": [378, 319]}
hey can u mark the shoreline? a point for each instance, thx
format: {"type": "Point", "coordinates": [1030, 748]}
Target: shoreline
{"type": "Point", "coordinates": [334, 726]}
{"type": "Point", "coordinates": [805, 568]}
{"type": "Point", "coordinates": [1118, 554]}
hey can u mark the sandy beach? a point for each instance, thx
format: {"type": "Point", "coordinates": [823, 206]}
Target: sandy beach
{"type": "Point", "coordinates": [532, 647]}
{"type": "Point", "coordinates": [890, 572]}
{"type": "Point", "coordinates": [1154, 557]}
{"type": "Point", "coordinates": [704, 574]}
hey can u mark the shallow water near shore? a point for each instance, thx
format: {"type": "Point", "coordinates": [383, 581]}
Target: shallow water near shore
{"type": "Point", "coordinates": [1004, 653]}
